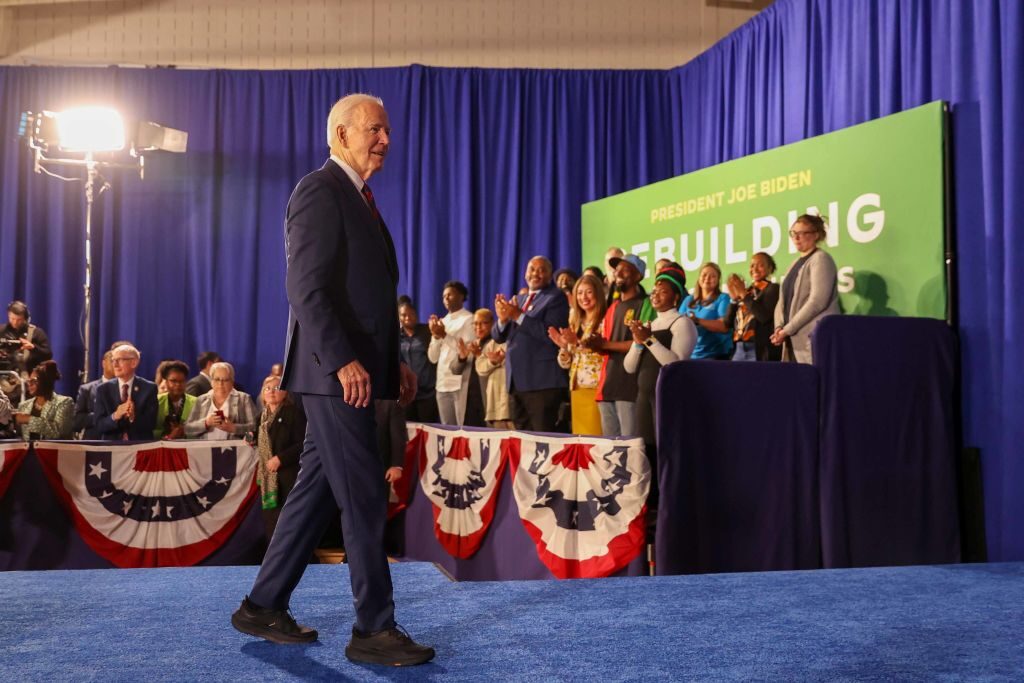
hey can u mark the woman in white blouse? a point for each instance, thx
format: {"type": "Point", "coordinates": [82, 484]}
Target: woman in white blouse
{"type": "Point", "coordinates": [223, 412]}
{"type": "Point", "coordinates": [670, 337]}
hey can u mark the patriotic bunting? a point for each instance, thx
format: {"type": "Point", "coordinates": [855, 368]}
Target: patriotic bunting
{"type": "Point", "coordinates": [153, 504]}
{"type": "Point", "coordinates": [399, 492]}
{"type": "Point", "coordinates": [11, 455]}
{"type": "Point", "coordinates": [583, 501]}
{"type": "Point", "coordinates": [460, 473]}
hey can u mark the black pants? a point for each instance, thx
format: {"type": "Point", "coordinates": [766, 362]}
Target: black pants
{"type": "Point", "coordinates": [536, 411]}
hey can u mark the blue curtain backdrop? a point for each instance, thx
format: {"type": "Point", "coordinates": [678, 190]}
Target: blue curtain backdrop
{"type": "Point", "coordinates": [487, 168]}
{"type": "Point", "coordinates": [806, 67]}
{"type": "Point", "coordinates": [490, 166]}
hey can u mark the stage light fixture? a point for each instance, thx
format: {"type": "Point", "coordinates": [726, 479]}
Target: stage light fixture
{"type": "Point", "coordinates": [88, 131]}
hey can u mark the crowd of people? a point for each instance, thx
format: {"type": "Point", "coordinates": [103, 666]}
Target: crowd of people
{"type": "Point", "coordinates": [582, 353]}
{"type": "Point", "coordinates": [568, 353]}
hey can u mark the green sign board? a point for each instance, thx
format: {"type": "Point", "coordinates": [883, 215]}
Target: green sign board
{"type": "Point", "coordinates": [879, 185]}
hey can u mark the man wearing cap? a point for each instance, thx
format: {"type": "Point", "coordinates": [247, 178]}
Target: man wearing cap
{"type": "Point", "coordinates": [616, 389]}
{"type": "Point", "coordinates": [537, 385]}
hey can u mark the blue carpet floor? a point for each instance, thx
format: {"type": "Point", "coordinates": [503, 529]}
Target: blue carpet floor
{"type": "Point", "coordinates": [923, 623]}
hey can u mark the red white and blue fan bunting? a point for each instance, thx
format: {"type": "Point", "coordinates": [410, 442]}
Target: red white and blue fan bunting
{"type": "Point", "coordinates": [11, 455]}
{"type": "Point", "coordinates": [399, 491]}
{"type": "Point", "coordinates": [460, 473]}
{"type": "Point", "coordinates": [153, 505]}
{"type": "Point", "coordinates": [583, 501]}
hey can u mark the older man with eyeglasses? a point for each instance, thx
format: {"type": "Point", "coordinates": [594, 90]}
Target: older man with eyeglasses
{"type": "Point", "coordinates": [126, 405]}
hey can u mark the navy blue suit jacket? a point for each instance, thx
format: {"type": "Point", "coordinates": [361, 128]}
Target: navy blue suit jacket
{"type": "Point", "coordinates": [341, 281]}
{"type": "Point", "coordinates": [108, 398]}
{"type": "Point", "coordinates": [531, 358]}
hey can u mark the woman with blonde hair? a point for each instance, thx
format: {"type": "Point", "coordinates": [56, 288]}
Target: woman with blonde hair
{"type": "Point", "coordinates": [586, 314]}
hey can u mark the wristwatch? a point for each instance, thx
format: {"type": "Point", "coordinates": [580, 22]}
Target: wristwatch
{"type": "Point", "coordinates": [649, 342]}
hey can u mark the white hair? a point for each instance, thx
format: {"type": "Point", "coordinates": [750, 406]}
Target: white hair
{"type": "Point", "coordinates": [126, 348]}
{"type": "Point", "coordinates": [341, 113]}
{"type": "Point", "coordinates": [223, 365]}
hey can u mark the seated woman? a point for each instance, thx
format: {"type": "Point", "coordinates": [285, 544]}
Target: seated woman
{"type": "Point", "coordinates": [751, 313]}
{"type": "Point", "coordinates": [46, 415]}
{"type": "Point", "coordinates": [669, 338]}
{"type": "Point", "coordinates": [809, 291]}
{"type": "Point", "coordinates": [586, 316]}
{"type": "Point", "coordinates": [223, 412]}
{"type": "Point", "coordinates": [278, 441]}
{"type": "Point", "coordinates": [706, 307]}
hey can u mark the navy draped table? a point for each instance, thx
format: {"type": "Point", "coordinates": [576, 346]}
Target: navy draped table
{"type": "Point", "coordinates": [850, 462]}
{"type": "Point", "coordinates": [737, 467]}
{"type": "Point", "coordinates": [888, 441]}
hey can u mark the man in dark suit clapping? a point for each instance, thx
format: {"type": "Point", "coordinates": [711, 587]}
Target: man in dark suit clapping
{"type": "Point", "coordinates": [125, 405]}
{"type": "Point", "coordinates": [537, 385]}
{"type": "Point", "coordinates": [341, 354]}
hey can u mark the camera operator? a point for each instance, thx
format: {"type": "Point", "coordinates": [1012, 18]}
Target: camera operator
{"type": "Point", "coordinates": [23, 345]}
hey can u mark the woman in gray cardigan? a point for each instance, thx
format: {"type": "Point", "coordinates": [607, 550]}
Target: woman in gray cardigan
{"type": "Point", "coordinates": [808, 293]}
{"type": "Point", "coordinates": [223, 412]}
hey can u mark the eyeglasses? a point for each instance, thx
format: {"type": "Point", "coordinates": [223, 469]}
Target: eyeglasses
{"type": "Point", "coordinates": [220, 380]}
{"type": "Point", "coordinates": [32, 380]}
{"type": "Point", "coordinates": [798, 233]}
{"type": "Point", "coordinates": [121, 360]}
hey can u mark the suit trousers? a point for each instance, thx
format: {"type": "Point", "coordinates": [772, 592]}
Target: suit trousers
{"type": "Point", "coordinates": [340, 469]}
{"type": "Point", "coordinates": [536, 411]}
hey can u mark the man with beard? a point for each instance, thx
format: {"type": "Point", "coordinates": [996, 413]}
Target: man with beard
{"type": "Point", "coordinates": [616, 389]}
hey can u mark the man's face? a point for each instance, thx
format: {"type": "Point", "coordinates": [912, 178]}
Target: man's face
{"type": "Point", "coordinates": [108, 365]}
{"type": "Point", "coordinates": [482, 325]}
{"type": "Point", "coordinates": [407, 317]}
{"type": "Point", "coordinates": [175, 382]}
{"type": "Point", "coordinates": [608, 256]}
{"type": "Point", "coordinates": [16, 321]}
{"type": "Point", "coordinates": [452, 299]}
{"type": "Point", "coordinates": [538, 274]}
{"type": "Point", "coordinates": [565, 282]}
{"type": "Point", "coordinates": [365, 141]}
{"type": "Point", "coordinates": [124, 364]}
{"type": "Point", "coordinates": [626, 275]}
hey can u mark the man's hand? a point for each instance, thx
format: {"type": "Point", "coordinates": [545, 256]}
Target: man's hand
{"type": "Point", "coordinates": [506, 308]}
{"type": "Point", "coordinates": [126, 409]}
{"type": "Point", "coordinates": [436, 327]}
{"type": "Point", "coordinates": [355, 384]}
{"type": "Point", "coordinates": [407, 385]}
{"type": "Point", "coordinates": [393, 474]}
{"type": "Point", "coordinates": [26, 345]}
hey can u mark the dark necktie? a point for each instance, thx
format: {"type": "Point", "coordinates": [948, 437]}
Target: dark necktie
{"type": "Point", "coordinates": [368, 193]}
{"type": "Point", "coordinates": [124, 397]}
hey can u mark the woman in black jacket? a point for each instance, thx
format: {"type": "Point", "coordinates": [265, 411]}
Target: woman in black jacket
{"type": "Point", "coordinates": [278, 441]}
{"type": "Point", "coordinates": [751, 313]}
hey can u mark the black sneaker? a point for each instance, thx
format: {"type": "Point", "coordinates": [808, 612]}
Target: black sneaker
{"type": "Point", "coordinates": [275, 625]}
{"type": "Point", "coordinates": [392, 647]}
